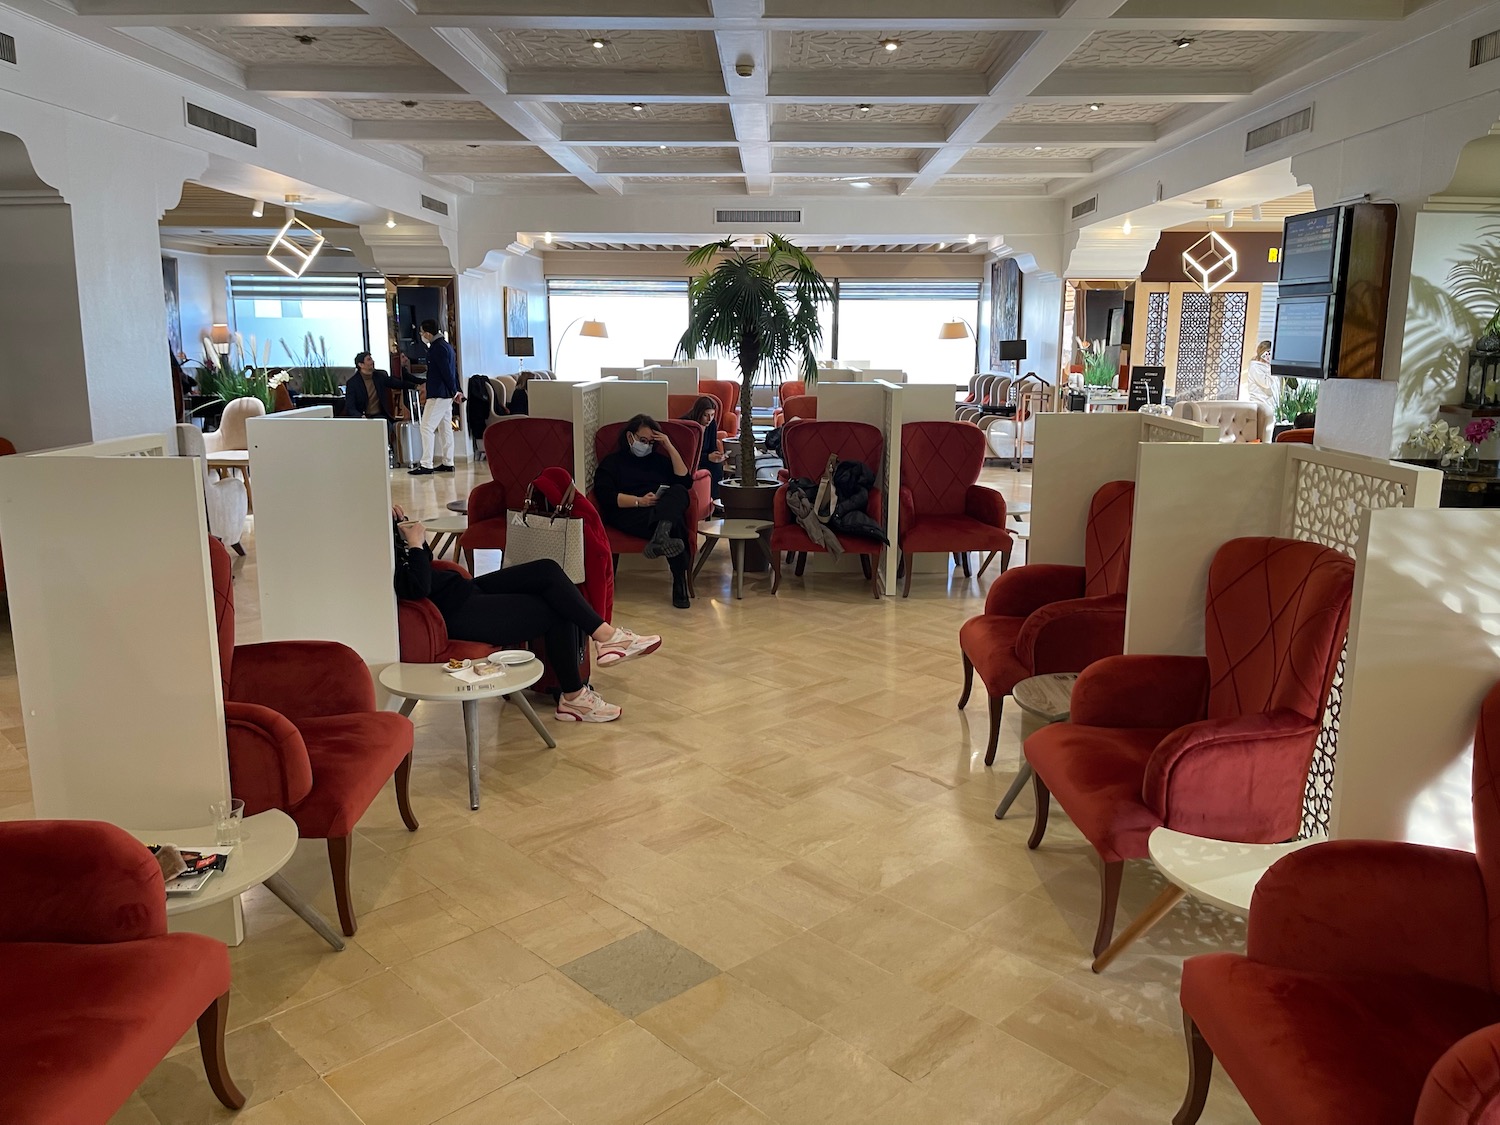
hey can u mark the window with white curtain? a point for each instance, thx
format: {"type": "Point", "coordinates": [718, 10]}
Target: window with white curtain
{"type": "Point", "coordinates": [344, 313]}
{"type": "Point", "coordinates": [644, 319]}
{"type": "Point", "coordinates": [895, 323]}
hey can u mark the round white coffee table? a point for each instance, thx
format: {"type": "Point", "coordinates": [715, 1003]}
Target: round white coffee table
{"type": "Point", "coordinates": [1219, 872]}
{"type": "Point", "coordinates": [1043, 700]}
{"type": "Point", "coordinates": [431, 683]}
{"type": "Point", "coordinates": [453, 527]}
{"type": "Point", "coordinates": [267, 842]}
{"type": "Point", "coordinates": [738, 532]}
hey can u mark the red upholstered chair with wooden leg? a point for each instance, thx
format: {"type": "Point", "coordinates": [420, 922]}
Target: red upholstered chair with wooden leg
{"type": "Point", "coordinates": [799, 408]}
{"type": "Point", "coordinates": [94, 991]}
{"type": "Point", "coordinates": [728, 394]}
{"type": "Point", "coordinates": [943, 506]}
{"type": "Point", "coordinates": [1045, 617]}
{"type": "Point", "coordinates": [1296, 437]}
{"type": "Point", "coordinates": [1368, 988]}
{"type": "Point", "coordinates": [1217, 745]}
{"type": "Point", "coordinates": [305, 737]}
{"type": "Point", "coordinates": [789, 390]}
{"type": "Point", "coordinates": [517, 449]}
{"type": "Point", "coordinates": [806, 448]}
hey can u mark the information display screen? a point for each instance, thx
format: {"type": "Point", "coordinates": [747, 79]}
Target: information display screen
{"type": "Point", "coordinates": [1309, 249]}
{"type": "Point", "coordinates": [1301, 334]}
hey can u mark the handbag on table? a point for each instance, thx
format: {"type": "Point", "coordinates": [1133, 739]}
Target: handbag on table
{"type": "Point", "coordinates": [540, 531]}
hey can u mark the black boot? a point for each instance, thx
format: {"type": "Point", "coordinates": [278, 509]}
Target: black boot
{"type": "Point", "coordinates": [662, 543]}
{"type": "Point", "coordinates": [680, 597]}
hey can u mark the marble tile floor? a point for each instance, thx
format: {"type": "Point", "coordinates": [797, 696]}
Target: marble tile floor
{"type": "Point", "coordinates": [773, 894]}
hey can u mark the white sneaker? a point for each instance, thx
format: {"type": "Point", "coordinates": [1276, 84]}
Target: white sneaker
{"type": "Point", "coordinates": [625, 645]}
{"type": "Point", "coordinates": [587, 707]}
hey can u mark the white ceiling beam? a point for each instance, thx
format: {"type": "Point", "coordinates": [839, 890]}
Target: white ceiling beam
{"type": "Point", "coordinates": [1097, 136]}
{"type": "Point", "coordinates": [748, 109]}
{"type": "Point", "coordinates": [682, 166]}
{"type": "Point", "coordinates": [481, 165]}
{"type": "Point", "coordinates": [287, 80]}
{"type": "Point", "coordinates": [1145, 84]}
{"type": "Point", "coordinates": [487, 132]}
{"type": "Point", "coordinates": [866, 136]}
{"type": "Point", "coordinates": [646, 133]}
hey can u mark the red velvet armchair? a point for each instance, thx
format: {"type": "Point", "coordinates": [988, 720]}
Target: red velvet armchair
{"type": "Point", "coordinates": [1045, 617]}
{"type": "Point", "coordinates": [1217, 745]}
{"type": "Point", "coordinates": [806, 448]}
{"type": "Point", "coordinates": [789, 390]}
{"type": "Point", "coordinates": [305, 737]}
{"type": "Point", "coordinates": [943, 507]}
{"type": "Point", "coordinates": [728, 394]}
{"type": "Point", "coordinates": [517, 449]}
{"type": "Point", "coordinates": [1367, 992]}
{"type": "Point", "coordinates": [94, 990]}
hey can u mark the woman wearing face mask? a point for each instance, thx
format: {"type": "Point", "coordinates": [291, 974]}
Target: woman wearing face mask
{"type": "Point", "coordinates": [642, 490]}
{"type": "Point", "coordinates": [704, 412]}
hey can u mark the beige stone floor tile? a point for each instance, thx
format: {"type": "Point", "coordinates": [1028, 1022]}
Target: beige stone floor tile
{"type": "Point", "coordinates": [1034, 928]}
{"type": "Point", "coordinates": [903, 1027]}
{"type": "Point", "coordinates": [995, 1077]}
{"type": "Point", "coordinates": [594, 857]}
{"type": "Point", "coordinates": [980, 978]}
{"type": "Point", "coordinates": [737, 802]}
{"type": "Point", "coordinates": [726, 930]}
{"type": "Point", "coordinates": [275, 980]}
{"type": "Point", "coordinates": [533, 1023]}
{"type": "Point", "coordinates": [658, 888]}
{"type": "Point", "coordinates": [812, 976]}
{"type": "Point", "coordinates": [470, 970]}
{"type": "Point", "coordinates": [262, 1064]}
{"type": "Point", "coordinates": [544, 825]}
{"type": "Point", "coordinates": [377, 878]}
{"type": "Point", "coordinates": [731, 859]}
{"type": "Point", "coordinates": [515, 1104]}
{"type": "Point", "coordinates": [722, 1024]}
{"type": "Point", "coordinates": [679, 779]}
{"type": "Point", "coordinates": [624, 1077]}
{"type": "Point", "coordinates": [568, 929]}
{"type": "Point", "coordinates": [712, 1105]}
{"type": "Point", "coordinates": [669, 828]}
{"type": "Point", "coordinates": [639, 972]}
{"type": "Point", "coordinates": [413, 926]}
{"type": "Point", "coordinates": [135, 1111]}
{"type": "Point", "coordinates": [885, 933]}
{"type": "Point", "coordinates": [952, 894]}
{"type": "Point", "coordinates": [355, 1021]}
{"type": "Point", "coordinates": [314, 1103]}
{"type": "Point", "coordinates": [804, 894]}
{"type": "Point", "coordinates": [417, 1080]}
{"type": "Point", "coordinates": [816, 1079]}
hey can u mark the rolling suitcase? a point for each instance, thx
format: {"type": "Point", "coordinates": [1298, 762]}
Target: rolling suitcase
{"type": "Point", "coordinates": [409, 434]}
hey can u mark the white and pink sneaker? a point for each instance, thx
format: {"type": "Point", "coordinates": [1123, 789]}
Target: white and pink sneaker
{"type": "Point", "coordinates": [625, 645]}
{"type": "Point", "coordinates": [586, 707]}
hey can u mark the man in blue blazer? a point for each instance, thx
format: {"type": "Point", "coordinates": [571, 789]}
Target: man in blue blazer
{"type": "Point", "coordinates": [442, 393]}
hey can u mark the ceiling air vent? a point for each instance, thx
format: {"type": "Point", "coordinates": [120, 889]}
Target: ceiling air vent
{"type": "Point", "coordinates": [201, 118]}
{"type": "Point", "coordinates": [1087, 207]}
{"type": "Point", "coordinates": [1288, 126]}
{"type": "Point", "coordinates": [1484, 49]}
{"type": "Point", "coordinates": [434, 205]}
{"type": "Point", "coordinates": [7, 48]}
{"type": "Point", "coordinates": [738, 217]}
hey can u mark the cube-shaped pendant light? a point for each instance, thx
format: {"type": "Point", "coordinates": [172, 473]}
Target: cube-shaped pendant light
{"type": "Point", "coordinates": [1211, 261]}
{"type": "Point", "coordinates": [297, 258]}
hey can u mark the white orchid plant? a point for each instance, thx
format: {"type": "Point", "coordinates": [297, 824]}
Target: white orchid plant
{"type": "Point", "coordinates": [1448, 444]}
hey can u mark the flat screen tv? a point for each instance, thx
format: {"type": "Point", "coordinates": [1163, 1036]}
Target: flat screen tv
{"type": "Point", "coordinates": [1310, 246]}
{"type": "Point", "coordinates": [1303, 340]}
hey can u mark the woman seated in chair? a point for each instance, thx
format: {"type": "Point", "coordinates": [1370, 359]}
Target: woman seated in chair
{"type": "Point", "coordinates": [704, 412]}
{"type": "Point", "coordinates": [516, 605]}
{"type": "Point", "coordinates": [642, 490]}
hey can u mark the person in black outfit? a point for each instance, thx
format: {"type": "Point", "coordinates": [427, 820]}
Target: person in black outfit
{"type": "Point", "coordinates": [642, 490]}
{"type": "Point", "coordinates": [516, 605]}
{"type": "Point", "coordinates": [519, 400]}
{"type": "Point", "coordinates": [365, 392]}
{"type": "Point", "coordinates": [704, 412]}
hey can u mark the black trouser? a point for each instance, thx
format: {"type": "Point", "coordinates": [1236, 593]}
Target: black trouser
{"type": "Point", "coordinates": [671, 509]}
{"type": "Point", "coordinates": [715, 475]}
{"type": "Point", "coordinates": [519, 604]}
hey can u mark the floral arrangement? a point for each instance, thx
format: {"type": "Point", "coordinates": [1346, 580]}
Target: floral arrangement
{"type": "Point", "coordinates": [235, 373]}
{"type": "Point", "coordinates": [313, 363]}
{"type": "Point", "coordinates": [1099, 370]}
{"type": "Point", "coordinates": [1452, 445]}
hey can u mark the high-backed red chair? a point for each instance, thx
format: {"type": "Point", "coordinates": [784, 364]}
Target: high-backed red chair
{"type": "Point", "coordinates": [1216, 745]}
{"type": "Point", "coordinates": [1296, 437]}
{"type": "Point", "coordinates": [728, 394]}
{"type": "Point", "coordinates": [678, 405]}
{"type": "Point", "coordinates": [95, 992]}
{"type": "Point", "coordinates": [1368, 988]}
{"type": "Point", "coordinates": [687, 438]}
{"type": "Point", "coordinates": [798, 407]}
{"type": "Point", "coordinates": [517, 449]}
{"type": "Point", "coordinates": [943, 506]}
{"type": "Point", "coordinates": [792, 388]}
{"type": "Point", "coordinates": [305, 737]}
{"type": "Point", "coordinates": [6, 450]}
{"type": "Point", "coordinates": [1046, 617]}
{"type": "Point", "coordinates": [806, 448]}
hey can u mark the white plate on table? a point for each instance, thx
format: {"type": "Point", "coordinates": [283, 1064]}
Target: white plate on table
{"type": "Point", "coordinates": [512, 656]}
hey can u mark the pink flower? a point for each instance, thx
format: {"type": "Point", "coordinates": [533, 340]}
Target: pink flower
{"type": "Point", "coordinates": [1479, 430]}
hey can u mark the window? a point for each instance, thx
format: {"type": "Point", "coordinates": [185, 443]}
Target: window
{"type": "Point", "coordinates": [344, 313]}
{"type": "Point", "coordinates": [645, 319]}
{"type": "Point", "coordinates": [894, 324]}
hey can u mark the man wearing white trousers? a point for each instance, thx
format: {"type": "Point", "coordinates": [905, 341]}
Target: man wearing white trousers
{"type": "Point", "coordinates": [442, 392]}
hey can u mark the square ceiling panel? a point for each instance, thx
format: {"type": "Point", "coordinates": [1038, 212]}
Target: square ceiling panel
{"type": "Point", "coordinates": [678, 113]}
{"type": "Point", "coordinates": [651, 152]}
{"type": "Point", "coordinates": [623, 50]}
{"type": "Point", "coordinates": [1208, 50]}
{"type": "Point", "coordinates": [994, 181]}
{"type": "Point", "coordinates": [1032, 152]}
{"type": "Point", "coordinates": [375, 110]}
{"type": "Point", "coordinates": [878, 114]}
{"type": "Point", "coordinates": [919, 50]}
{"type": "Point", "coordinates": [1119, 113]}
{"type": "Point", "coordinates": [270, 46]}
{"type": "Point", "coordinates": [846, 152]}
{"type": "Point", "coordinates": [521, 155]}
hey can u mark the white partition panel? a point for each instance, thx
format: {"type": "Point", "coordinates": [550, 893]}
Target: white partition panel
{"type": "Point", "coordinates": [927, 402]}
{"type": "Point", "coordinates": [323, 541]}
{"type": "Point", "coordinates": [116, 650]}
{"type": "Point", "coordinates": [679, 380]}
{"type": "Point", "coordinates": [549, 398]}
{"type": "Point", "coordinates": [1357, 416]}
{"type": "Point", "coordinates": [619, 401]}
{"type": "Point", "coordinates": [1424, 649]}
{"type": "Point", "coordinates": [1075, 455]}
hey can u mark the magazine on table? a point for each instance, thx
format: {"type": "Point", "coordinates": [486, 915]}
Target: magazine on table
{"type": "Point", "coordinates": [201, 867]}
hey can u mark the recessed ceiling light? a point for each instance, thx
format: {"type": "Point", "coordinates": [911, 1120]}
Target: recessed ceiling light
{"type": "Point", "coordinates": [860, 184]}
{"type": "Point", "coordinates": [864, 107]}
{"type": "Point", "coordinates": [390, 222]}
{"type": "Point", "coordinates": [638, 107]}
{"type": "Point", "coordinates": [598, 44]}
{"type": "Point", "coordinates": [973, 238]}
{"type": "Point", "coordinates": [1184, 42]}
{"type": "Point", "coordinates": [891, 44]}
{"type": "Point", "coordinates": [547, 238]}
{"type": "Point", "coordinates": [471, 146]}
{"type": "Point", "coordinates": [1038, 148]}
{"type": "Point", "coordinates": [1095, 106]}
{"type": "Point", "coordinates": [1128, 227]}
{"type": "Point", "coordinates": [942, 246]}
{"type": "Point", "coordinates": [409, 104]}
{"type": "Point", "coordinates": [306, 40]}
{"type": "Point", "coordinates": [663, 148]}
{"type": "Point", "coordinates": [259, 209]}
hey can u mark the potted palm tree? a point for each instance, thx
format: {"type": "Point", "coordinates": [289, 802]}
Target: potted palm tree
{"type": "Point", "coordinates": [760, 306]}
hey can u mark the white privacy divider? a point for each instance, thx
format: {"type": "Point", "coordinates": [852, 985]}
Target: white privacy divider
{"type": "Point", "coordinates": [927, 402]}
{"type": "Point", "coordinates": [325, 552]}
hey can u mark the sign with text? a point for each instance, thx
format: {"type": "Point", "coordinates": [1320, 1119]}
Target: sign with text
{"type": "Point", "coordinates": [1147, 385]}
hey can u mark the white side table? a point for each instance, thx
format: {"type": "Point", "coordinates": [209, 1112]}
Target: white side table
{"type": "Point", "coordinates": [1043, 700]}
{"type": "Point", "coordinates": [1216, 871]}
{"type": "Point", "coordinates": [433, 684]}
{"type": "Point", "coordinates": [738, 532]}
{"type": "Point", "coordinates": [235, 461]}
{"type": "Point", "coordinates": [451, 527]}
{"type": "Point", "coordinates": [267, 843]}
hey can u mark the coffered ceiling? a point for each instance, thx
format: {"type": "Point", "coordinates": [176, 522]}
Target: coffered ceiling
{"type": "Point", "coordinates": [980, 98]}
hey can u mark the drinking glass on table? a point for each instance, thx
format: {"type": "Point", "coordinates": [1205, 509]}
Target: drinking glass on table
{"type": "Point", "coordinates": [228, 818]}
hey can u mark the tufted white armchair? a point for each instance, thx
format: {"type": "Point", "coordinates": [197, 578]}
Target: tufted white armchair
{"type": "Point", "coordinates": [1237, 421]}
{"type": "Point", "coordinates": [225, 499]}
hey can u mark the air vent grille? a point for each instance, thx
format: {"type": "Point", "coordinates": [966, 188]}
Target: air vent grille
{"type": "Point", "coordinates": [1484, 49]}
{"type": "Point", "coordinates": [7, 48]}
{"type": "Point", "coordinates": [207, 119]}
{"type": "Point", "coordinates": [434, 205]}
{"type": "Point", "coordinates": [1087, 207]}
{"type": "Point", "coordinates": [738, 217]}
{"type": "Point", "coordinates": [1288, 126]}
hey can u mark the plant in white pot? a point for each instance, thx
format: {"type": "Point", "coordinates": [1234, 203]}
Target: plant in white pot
{"type": "Point", "coordinates": [758, 305]}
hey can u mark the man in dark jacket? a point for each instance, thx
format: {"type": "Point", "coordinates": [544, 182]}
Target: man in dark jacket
{"type": "Point", "coordinates": [365, 394]}
{"type": "Point", "coordinates": [442, 392]}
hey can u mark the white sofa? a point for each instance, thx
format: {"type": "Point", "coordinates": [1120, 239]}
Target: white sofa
{"type": "Point", "coordinates": [1237, 421]}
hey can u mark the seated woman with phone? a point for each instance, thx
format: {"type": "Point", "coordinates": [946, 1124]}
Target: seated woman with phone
{"type": "Point", "coordinates": [516, 605]}
{"type": "Point", "coordinates": [704, 412]}
{"type": "Point", "coordinates": [642, 490]}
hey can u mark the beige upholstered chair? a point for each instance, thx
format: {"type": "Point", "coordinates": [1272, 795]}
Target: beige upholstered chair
{"type": "Point", "coordinates": [225, 499]}
{"type": "Point", "coordinates": [1237, 421]}
{"type": "Point", "coordinates": [231, 431]}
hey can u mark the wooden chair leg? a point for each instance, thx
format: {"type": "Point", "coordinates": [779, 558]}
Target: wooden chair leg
{"type": "Point", "coordinates": [968, 564]}
{"type": "Point", "coordinates": [984, 566]}
{"type": "Point", "coordinates": [615, 561]}
{"type": "Point", "coordinates": [997, 705]}
{"type": "Point", "coordinates": [1110, 875]}
{"type": "Point", "coordinates": [963, 700]}
{"type": "Point", "coordinates": [403, 794]}
{"type": "Point", "coordinates": [211, 1027]}
{"type": "Point", "coordinates": [340, 851]}
{"type": "Point", "coordinates": [1005, 560]}
{"type": "Point", "coordinates": [872, 571]}
{"type": "Point", "coordinates": [906, 584]}
{"type": "Point", "coordinates": [775, 571]}
{"type": "Point", "coordinates": [864, 564]}
{"type": "Point", "coordinates": [1043, 803]}
{"type": "Point", "coordinates": [1200, 1074]}
{"type": "Point", "coordinates": [239, 549]}
{"type": "Point", "coordinates": [801, 563]}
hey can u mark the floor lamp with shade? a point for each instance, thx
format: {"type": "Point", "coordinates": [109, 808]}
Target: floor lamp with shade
{"type": "Point", "coordinates": [594, 329]}
{"type": "Point", "coordinates": [959, 329]}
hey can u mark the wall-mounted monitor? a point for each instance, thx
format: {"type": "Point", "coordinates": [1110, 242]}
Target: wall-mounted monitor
{"type": "Point", "coordinates": [1311, 246]}
{"type": "Point", "coordinates": [1012, 350]}
{"type": "Point", "coordinates": [1304, 341]}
